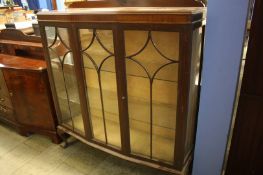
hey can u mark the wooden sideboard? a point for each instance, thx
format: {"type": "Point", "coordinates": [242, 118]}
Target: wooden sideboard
{"type": "Point", "coordinates": [6, 107]}
{"type": "Point", "coordinates": [126, 80]}
{"type": "Point", "coordinates": [15, 42]}
{"type": "Point", "coordinates": [25, 96]}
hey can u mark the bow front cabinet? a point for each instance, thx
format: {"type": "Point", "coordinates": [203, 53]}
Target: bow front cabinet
{"type": "Point", "coordinates": [126, 80]}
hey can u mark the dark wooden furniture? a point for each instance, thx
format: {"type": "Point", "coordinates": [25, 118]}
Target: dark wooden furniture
{"type": "Point", "coordinates": [15, 42]}
{"type": "Point", "coordinates": [246, 150]}
{"type": "Point", "coordinates": [6, 107]}
{"type": "Point", "coordinates": [125, 80]}
{"type": "Point", "coordinates": [133, 3]}
{"type": "Point", "coordinates": [54, 4]}
{"type": "Point", "coordinates": [25, 96]}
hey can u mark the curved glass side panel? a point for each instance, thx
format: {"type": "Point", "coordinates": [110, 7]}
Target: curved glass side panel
{"type": "Point", "coordinates": [62, 66]}
{"type": "Point", "coordinates": [193, 92]}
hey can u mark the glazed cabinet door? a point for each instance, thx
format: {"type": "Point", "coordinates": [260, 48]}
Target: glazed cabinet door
{"type": "Point", "coordinates": [98, 65]}
{"type": "Point", "coordinates": [64, 79]}
{"type": "Point", "coordinates": [152, 63]}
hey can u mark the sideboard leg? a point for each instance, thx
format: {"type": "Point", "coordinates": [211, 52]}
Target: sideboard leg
{"type": "Point", "coordinates": [56, 139]}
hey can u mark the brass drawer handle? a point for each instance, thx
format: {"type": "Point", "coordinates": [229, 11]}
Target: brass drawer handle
{"type": "Point", "coordinates": [2, 99]}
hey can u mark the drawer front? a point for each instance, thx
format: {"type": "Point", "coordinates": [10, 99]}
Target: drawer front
{"type": "Point", "coordinates": [5, 101]}
{"type": "Point", "coordinates": [3, 88]}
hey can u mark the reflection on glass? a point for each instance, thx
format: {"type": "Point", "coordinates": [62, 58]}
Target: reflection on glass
{"type": "Point", "coordinates": [152, 74]}
{"type": "Point", "coordinates": [62, 66]}
{"type": "Point", "coordinates": [99, 65]}
{"type": "Point", "coordinates": [193, 93]}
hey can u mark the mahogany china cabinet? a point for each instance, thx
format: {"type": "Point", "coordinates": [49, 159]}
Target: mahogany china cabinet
{"type": "Point", "coordinates": [126, 80]}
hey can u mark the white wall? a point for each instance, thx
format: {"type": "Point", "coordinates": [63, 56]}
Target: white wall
{"type": "Point", "coordinates": [225, 29]}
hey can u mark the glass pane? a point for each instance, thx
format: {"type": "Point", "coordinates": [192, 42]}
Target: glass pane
{"type": "Point", "coordinates": [62, 66]}
{"type": "Point", "coordinates": [63, 36]}
{"type": "Point", "coordinates": [99, 65]}
{"type": "Point", "coordinates": [164, 118]}
{"type": "Point", "coordinates": [167, 43]}
{"type": "Point", "coordinates": [152, 75]}
{"type": "Point", "coordinates": [51, 35]}
{"type": "Point", "coordinates": [109, 91]}
{"type": "Point", "coordinates": [94, 99]}
{"type": "Point", "coordinates": [139, 114]}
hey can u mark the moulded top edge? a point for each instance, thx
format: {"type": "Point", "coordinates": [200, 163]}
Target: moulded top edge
{"type": "Point", "coordinates": [127, 10]}
{"type": "Point", "coordinates": [160, 15]}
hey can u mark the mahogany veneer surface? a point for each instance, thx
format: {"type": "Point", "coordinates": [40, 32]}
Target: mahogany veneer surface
{"type": "Point", "coordinates": [15, 62]}
{"type": "Point", "coordinates": [177, 15]}
{"type": "Point", "coordinates": [28, 88]}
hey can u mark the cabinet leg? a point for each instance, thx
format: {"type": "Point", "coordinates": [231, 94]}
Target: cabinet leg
{"type": "Point", "coordinates": [64, 137]}
{"type": "Point", "coordinates": [56, 139]}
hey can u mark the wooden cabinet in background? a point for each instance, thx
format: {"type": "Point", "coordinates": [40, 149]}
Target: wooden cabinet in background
{"type": "Point", "coordinates": [15, 42]}
{"type": "Point", "coordinates": [126, 80]}
{"type": "Point", "coordinates": [27, 104]}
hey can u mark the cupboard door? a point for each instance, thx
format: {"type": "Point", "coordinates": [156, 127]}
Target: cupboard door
{"type": "Point", "coordinates": [29, 97]}
{"type": "Point", "coordinates": [63, 71]}
{"type": "Point", "coordinates": [98, 59]}
{"type": "Point", "coordinates": [152, 59]}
